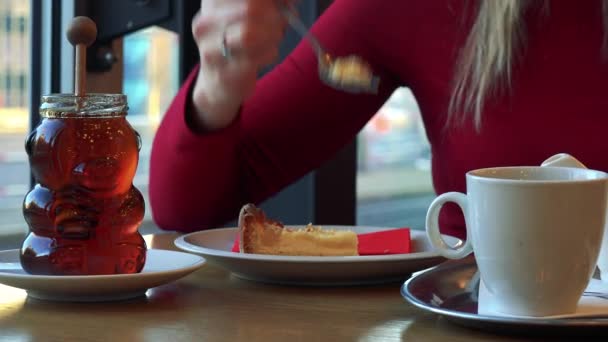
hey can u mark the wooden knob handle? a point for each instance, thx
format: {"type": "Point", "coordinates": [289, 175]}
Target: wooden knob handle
{"type": "Point", "coordinates": [82, 30]}
{"type": "Point", "coordinates": [81, 33]}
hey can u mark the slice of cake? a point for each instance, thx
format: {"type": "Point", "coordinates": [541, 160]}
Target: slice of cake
{"type": "Point", "coordinates": [261, 235]}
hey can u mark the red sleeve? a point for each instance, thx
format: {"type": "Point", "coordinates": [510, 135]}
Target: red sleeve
{"type": "Point", "coordinates": [290, 126]}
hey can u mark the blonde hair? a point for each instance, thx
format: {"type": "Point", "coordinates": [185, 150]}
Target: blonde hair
{"type": "Point", "coordinates": [484, 64]}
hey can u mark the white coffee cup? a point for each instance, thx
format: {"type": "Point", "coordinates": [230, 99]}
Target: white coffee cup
{"type": "Point", "coordinates": [535, 232]}
{"type": "Point", "coordinates": [566, 160]}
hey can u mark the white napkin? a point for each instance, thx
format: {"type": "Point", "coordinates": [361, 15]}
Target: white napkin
{"type": "Point", "coordinates": [593, 303]}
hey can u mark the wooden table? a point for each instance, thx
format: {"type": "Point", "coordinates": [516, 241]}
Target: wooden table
{"type": "Point", "coordinates": [212, 305]}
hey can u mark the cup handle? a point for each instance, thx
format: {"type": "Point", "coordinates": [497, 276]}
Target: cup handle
{"type": "Point", "coordinates": [432, 226]}
{"type": "Point", "coordinates": [563, 160]}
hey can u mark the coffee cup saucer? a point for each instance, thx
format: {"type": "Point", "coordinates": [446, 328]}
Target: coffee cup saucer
{"type": "Point", "coordinates": [443, 290]}
{"type": "Point", "coordinates": [162, 267]}
{"type": "Point", "coordinates": [593, 303]}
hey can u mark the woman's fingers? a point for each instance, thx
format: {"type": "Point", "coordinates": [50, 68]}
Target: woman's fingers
{"type": "Point", "coordinates": [247, 30]}
{"type": "Point", "coordinates": [235, 38]}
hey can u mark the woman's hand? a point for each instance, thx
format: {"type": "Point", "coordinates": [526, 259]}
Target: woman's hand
{"type": "Point", "coordinates": [235, 39]}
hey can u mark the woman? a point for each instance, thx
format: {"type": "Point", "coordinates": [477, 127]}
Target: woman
{"type": "Point", "coordinates": [498, 83]}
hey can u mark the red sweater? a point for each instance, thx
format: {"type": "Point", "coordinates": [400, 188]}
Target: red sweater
{"type": "Point", "coordinates": [558, 103]}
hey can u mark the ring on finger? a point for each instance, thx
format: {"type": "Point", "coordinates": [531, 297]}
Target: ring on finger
{"type": "Point", "coordinates": [224, 49]}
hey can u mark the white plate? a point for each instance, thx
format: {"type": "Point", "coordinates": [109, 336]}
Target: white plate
{"type": "Point", "coordinates": [161, 267]}
{"type": "Point", "coordinates": [216, 245]}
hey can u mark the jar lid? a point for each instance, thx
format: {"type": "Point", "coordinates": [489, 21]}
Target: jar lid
{"type": "Point", "coordinates": [90, 105]}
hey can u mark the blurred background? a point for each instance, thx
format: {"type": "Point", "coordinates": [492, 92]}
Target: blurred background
{"type": "Point", "coordinates": [393, 157]}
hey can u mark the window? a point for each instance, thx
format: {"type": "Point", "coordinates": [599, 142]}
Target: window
{"type": "Point", "coordinates": [393, 177]}
{"type": "Point", "coordinates": [14, 117]}
{"type": "Point", "coordinates": [150, 83]}
{"type": "Point", "coordinates": [394, 185]}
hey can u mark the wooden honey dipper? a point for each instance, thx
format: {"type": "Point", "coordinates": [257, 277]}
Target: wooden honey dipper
{"type": "Point", "coordinates": [81, 33]}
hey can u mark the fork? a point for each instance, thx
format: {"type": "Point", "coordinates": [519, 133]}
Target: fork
{"type": "Point", "coordinates": [327, 62]}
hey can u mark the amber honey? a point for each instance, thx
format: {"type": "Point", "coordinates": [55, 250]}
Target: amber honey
{"type": "Point", "coordinates": [83, 213]}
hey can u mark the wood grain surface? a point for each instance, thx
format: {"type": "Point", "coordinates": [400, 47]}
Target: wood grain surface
{"type": "Point", "coordinates": [212, 305]}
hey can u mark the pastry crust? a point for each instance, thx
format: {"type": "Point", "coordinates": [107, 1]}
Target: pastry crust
{"type": "Point", "coordinates": [261, 235]}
